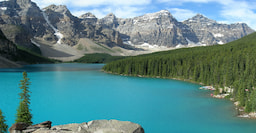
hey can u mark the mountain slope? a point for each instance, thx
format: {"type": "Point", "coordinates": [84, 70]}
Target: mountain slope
{"type": "Point", "coordinates": [5, 63]}
{"type": "Point", "coordinates": [231, 65]}
{"type": "Point", "coordinates": [10, 54]}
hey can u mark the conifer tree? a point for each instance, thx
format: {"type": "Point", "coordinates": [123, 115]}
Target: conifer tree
{"type": "Point", "coordinates": [3, 126]}
{"type": "Point", "coordinates": [23, 111]}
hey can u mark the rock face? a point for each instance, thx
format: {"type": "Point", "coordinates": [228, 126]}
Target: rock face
{"type": "Point", "coordinates": [21, 21]}
{"type": "Point", "coordinates": [159, 28]}
{"type": "Point", "coordinates": [74, 28]}
{"type": "Point", "coordinates": [7, 48]}
{"type": "Point", "coordinates": [210, 32]}
{"type": "Point", "coordinates": [97, 126]}
{"type": "Point", "coordinates": [162, 29]}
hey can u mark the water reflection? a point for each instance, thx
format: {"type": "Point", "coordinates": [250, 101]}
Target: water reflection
{"type": "Point", "coordinates": [55, 67]}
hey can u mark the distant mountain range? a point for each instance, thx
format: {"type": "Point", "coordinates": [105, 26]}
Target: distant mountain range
{"type": "Point", "coordinates": [54, 32]}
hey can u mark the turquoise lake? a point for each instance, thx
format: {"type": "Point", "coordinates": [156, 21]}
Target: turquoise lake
{"type": "Point", "coordinates": [76, 93]}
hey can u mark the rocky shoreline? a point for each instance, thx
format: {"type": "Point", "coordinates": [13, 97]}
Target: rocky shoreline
{"type": "Point", "coordinates": [228, 91]}
{"type": "Point", "coordinates": [95, 126]}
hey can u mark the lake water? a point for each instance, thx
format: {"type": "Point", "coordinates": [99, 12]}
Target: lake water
{"type": "Point", "coordinates": [76, 93]}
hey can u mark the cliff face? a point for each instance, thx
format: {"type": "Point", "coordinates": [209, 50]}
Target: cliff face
{"type": "Point", "coordinates": [162, 29]}
{"type": "Point", "coordinates": [21, 21]}
{"type": "Point", "coordinates": [7, 48]}
{"type": "Point", "coordinates": [210, 32]}
{"type": "Point", "coordinates": [159, 28]}
{"type": "Point", "coordinates": [73, 28]}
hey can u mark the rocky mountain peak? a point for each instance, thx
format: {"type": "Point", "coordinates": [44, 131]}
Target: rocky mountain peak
{"type": "Point", "coordinates": [8, 6]}
{"type": "Point", "coordinates": [211, 32]}
{"type": "Point", "coordinates": [110, 18]}
{"type": "Point", "coordinates": [24, 3]}
{"type": "Point", "coordinates": [111, 15]}
{"type": "Point", "coordinates": [87, 15]}
{"type": "Point", "coordinates": [201, 18]}
{"type": "Point", "coordinates": [163, 14]}
{"type": "Point", "coordinates": [58, 8]}
{"type": "Point", "coordinates": [109, 21]}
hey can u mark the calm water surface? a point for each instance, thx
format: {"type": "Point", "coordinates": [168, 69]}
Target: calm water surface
{"type": "Point", "coordinates": [76, 93]}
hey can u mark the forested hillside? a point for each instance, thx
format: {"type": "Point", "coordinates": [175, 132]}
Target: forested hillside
{"type": "Point", "coordinates": [231, 65]}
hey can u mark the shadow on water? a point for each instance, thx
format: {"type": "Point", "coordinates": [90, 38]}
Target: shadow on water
{"type": "Point", "coordinates": [55, 67]}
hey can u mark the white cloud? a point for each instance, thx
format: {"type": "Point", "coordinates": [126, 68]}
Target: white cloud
{"type": "Point", "coordinates": [45, 3]}
{"type": "Point", "coordinates": [240, 11]}
{"type": "Point", "coordinates": [194, 1]}
{"type": "Point", "coordinates": [120, 12]}
{"type": "Point", "coordinates": [88, 3]}
{"type": "Point", "coordinates": [182, 14]}
{"type": "Point", "coordinates": [100, 8]}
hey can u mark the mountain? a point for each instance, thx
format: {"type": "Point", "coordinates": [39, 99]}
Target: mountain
{"type": "Point", "coordinates": [159, 28]}
{"type": "Point", "coordinates": [210, 32]}
{"type": "Point", "coordinates": [55, 33]}
{"type": "Point", "coordinates": [162, 29]}
{"type": "Point", "coordinates": [73, 28]}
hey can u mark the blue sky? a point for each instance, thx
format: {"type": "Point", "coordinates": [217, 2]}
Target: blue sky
{"type": "Point", "coordinates": [224, 11]}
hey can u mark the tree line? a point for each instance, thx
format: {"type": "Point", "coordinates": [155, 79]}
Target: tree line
{"type": "Point", "coordinates": [23, 111]}
{"type": "Point", "coordinates": [231, 65]}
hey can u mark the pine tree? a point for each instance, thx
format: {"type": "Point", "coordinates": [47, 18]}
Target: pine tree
{"type": "Point", "coordinates": [23, 111]}
{"type": "Point", "coordinates": [3, 126]}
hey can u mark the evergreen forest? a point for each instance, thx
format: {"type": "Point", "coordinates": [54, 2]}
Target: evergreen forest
{"type": "Point", "coordinates": [231, 65]}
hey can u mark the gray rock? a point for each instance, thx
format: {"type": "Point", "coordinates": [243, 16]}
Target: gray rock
{"type": "Point", "coordinates": [102, 126]}
{"type": "Point", "coordinates": [159, 28]}
{"type": "Point", "coordinates": [162, 29]}
{"type": "Point", "coordinates": [21, 21]}
{"type": "Point", "coordinates": [211, 32]}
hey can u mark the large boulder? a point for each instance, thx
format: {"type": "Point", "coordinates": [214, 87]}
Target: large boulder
{"type": "Point", "coordinates": [96, 126]}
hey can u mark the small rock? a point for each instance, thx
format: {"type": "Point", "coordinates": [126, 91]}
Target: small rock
{"type": "Point", "coordinates": [46, 124]}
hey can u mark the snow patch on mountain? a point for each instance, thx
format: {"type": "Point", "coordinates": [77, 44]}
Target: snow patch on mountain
{"type": "Point", "coordinates": [57, 32]}
{"type": "Point", "coordinates": [220, 42]}
{"type": "Point", "coordinates": [3, 8]}
{"type": "Point", "coordinates": [37, 44]}
{"type": "Point", "coordinates": [218, 35]}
